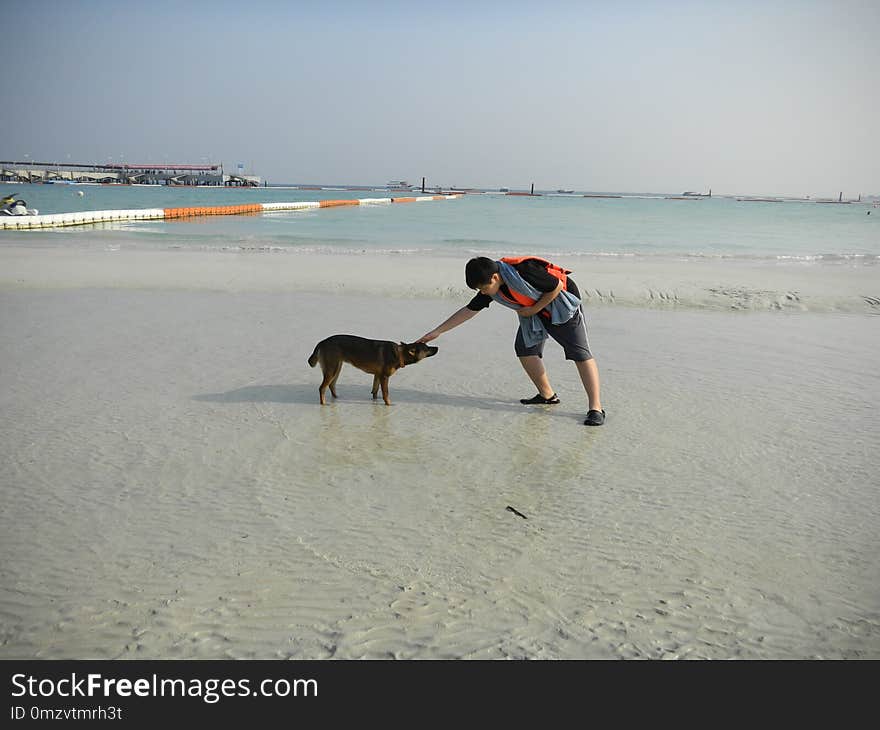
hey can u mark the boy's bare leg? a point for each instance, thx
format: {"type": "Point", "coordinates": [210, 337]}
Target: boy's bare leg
{"type": "Point", "coordinates": [589, 372]}
{"type": "Point", "coordinates": [534, 367]}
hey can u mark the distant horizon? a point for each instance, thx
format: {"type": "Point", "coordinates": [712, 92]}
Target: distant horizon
{"type": "Point", "coordinates": [491, 188]}
{"type": "Point", "coordinates": [184, 165]}
{"type": "Point", "coordinates": [852, 197]}
{"type": "Point", "coordinates": [417, 184]}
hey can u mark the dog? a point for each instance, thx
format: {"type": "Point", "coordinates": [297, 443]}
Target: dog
{"type": "Point", "coordinates": [379, 358]}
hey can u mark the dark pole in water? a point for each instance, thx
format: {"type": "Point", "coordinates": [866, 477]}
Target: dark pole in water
{"type": "Point", "coordinates": [840, 197]}
{"type": "Point", "coordinates": [533, 189]}
{"type": "Point", "coordinates": [423, 184]}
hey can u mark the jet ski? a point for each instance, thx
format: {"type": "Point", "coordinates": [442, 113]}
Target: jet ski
{"type": "Point", "coordinates": [10, 206]}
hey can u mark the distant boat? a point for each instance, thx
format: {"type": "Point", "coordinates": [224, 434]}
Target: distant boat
{"type": "Point", "coordinates": [564, 191]}
{"type": "Point", "coordinates": [689, 194]}
{"type": "Point", "coordinates": [398, 185]}
{"type": "Point", "coordinates": [503, 190]}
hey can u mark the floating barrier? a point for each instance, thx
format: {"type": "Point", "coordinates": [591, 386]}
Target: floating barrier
{"type": "Point", "coordinates": [86, 217]}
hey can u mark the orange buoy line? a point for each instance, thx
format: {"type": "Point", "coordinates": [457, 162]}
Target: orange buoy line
{"type": "Point", "coordinates": [213, 210]}
{"type": "Point", "coordinates": [87, 217]}
{"type": "Point", "coordinates": [337, 203]}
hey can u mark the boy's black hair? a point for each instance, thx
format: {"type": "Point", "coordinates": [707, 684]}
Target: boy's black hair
{"type": "Point", "coordinates": [478, 271]}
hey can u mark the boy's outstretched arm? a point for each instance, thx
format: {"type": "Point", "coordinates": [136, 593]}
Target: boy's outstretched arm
{"type": "Point", "coordinates": [460, 317]}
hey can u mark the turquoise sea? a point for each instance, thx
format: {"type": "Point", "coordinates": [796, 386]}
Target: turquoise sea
{"type": "Point", "coordinates": [630, 226]}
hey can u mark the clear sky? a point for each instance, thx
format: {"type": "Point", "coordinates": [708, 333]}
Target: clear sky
{"type": "Point", "coordinates": [743, 97]}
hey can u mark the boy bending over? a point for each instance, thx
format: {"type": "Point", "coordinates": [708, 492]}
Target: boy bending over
{"type": "Point", "coordinates": [548, 303]}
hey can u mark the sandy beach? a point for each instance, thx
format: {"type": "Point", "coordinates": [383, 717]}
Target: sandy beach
{"type": "Point", "coordinates": [172, 489]}
{"type": "Point", "coordinates": [640, 282]}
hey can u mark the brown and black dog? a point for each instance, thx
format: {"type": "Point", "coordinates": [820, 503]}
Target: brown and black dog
{"type": "Point", "coordinates": [379, 358]}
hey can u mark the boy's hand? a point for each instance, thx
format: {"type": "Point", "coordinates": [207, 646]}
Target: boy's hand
{"type": "Point", "coordinates": [527, 311]}
{"type": "Point", "coordinates": [432, 335]}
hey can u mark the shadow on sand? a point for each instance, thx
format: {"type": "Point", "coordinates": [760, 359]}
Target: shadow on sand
{"type": "Point", "coordinates": [308, 395]}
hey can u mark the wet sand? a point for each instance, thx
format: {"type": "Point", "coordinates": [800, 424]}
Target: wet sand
{"type": "Point", "coordinates": [172, 489]}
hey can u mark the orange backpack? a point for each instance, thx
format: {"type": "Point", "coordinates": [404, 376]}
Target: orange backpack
{"type": "Point", "coordinates": [552, 269]}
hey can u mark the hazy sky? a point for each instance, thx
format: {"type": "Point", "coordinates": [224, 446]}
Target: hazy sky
{"type": "Point", "coordinates": [744, 97]}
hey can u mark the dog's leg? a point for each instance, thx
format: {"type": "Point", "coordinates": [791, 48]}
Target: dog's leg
{"type": "Point", "coordinates": [329, 379]}
{"type": "Point", "coordinates": [375, 386]}
{"type": "Point", "coordinates": [384, 383]}
{"type": "Point", "coordinates": [334, 379]}
{"type": "Point", "coordinates": [323, 387]}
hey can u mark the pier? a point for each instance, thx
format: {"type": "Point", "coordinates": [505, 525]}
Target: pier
{"type": "Point", "coordinates": [122, 174]}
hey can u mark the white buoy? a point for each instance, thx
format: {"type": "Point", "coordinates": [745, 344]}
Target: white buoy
{"type": "Point", "coordinates": [80, 193]}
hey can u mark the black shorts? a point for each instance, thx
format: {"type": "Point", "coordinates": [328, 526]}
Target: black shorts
{"type": "Point", "coordinates": [572, 336]}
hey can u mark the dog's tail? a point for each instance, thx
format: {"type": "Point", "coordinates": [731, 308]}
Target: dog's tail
{"type": "Point", "coordinates": [313, 360]}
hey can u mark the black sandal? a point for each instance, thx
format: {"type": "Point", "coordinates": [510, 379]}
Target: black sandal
{"type": "Point", "coordinates": [595, 418]}
{"type": "Point", "coordinates": [540, 400]}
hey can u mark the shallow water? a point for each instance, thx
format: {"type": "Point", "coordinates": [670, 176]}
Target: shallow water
{"type": "Point", "coordinates": [484, 224]}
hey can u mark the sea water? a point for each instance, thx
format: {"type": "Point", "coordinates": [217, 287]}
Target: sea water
{"type": "Point", "coordinates": [475, 224]}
